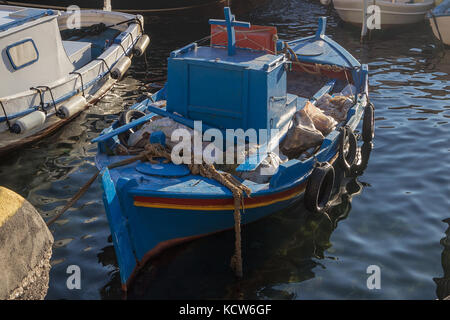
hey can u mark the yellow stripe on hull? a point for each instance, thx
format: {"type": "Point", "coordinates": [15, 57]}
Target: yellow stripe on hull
{"type": "Point", "coordinates": [213, 208]}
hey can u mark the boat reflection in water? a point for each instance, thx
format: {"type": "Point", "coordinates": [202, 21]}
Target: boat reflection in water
{"type": "Point", "coordinates": [282, 248]}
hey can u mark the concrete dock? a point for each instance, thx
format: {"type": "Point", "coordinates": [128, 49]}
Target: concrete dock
{"type": "Point", "coordinates": [25, 249]}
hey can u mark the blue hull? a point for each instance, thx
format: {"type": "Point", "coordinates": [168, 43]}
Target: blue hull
{"type": "Point", "coordinates": [140, 233]}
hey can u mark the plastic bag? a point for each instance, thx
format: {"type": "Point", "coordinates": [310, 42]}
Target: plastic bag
{"type": "Point", "coordinates": [349, 90]}
{"type": "Point", "coordinates": [335, 107]}
{"type": "Point", "coordinates": [267, 168]}
{"type": "Point", "coordinates": [325, 124]}
{"type": "Point", "coordinates": [302, 136]}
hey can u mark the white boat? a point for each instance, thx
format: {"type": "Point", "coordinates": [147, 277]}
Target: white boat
{"type": "Point", "coordinates": [54, 64]}
{"type": "Point", "coordinates": [392, 12]}
{"type": "Point", "coordinates": [440, 21]}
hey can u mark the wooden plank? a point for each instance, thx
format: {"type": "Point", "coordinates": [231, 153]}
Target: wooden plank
{"type": "Point", "coordinates": [324, 90]}
{"type": "Point", "coordinates": [124, 128]}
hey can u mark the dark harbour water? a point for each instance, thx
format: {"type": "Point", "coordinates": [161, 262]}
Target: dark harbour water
{"type": "Point", "coordinates": [393, 217]}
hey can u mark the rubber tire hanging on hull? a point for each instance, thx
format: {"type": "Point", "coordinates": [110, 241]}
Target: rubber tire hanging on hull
{"type": "Point", "coordinates": [347, 160]}
{"type": "Point", "coordinates": [125, 118]}
{"type": "Point", "coordinates": [368, 130]}
{"type": "Point", "coordinates": [319, 188]}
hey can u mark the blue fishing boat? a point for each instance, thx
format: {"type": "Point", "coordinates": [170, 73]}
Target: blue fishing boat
{"type": "Point", "coordinates": [55, 64]}
{"type": "Point", "coordinates": [311, 92]}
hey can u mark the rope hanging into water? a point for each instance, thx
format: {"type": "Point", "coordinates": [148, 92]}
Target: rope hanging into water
{"type": "Point", "coordinates": [150, 153]}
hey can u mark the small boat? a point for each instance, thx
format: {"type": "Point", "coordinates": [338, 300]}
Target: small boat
{"type": "Point", "coordinates": [393, 13]}
{"type": "Point", "coordinates": [440, 22]}
{"type": "Point", "coordinates": [55, 64]}
{"type": "Point", "coordinates": [249, 80]}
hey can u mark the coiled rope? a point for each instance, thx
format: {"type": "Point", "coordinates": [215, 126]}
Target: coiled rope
{"type": "Point", "coordinates": [150, 152]}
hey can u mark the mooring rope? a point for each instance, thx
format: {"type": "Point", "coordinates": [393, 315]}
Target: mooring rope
{"type": "Point", "coordinates": [150, 152]}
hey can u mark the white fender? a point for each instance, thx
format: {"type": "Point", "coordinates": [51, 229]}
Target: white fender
{"type": "Point", "coordinates": [141, 45]}
{"type": "Point", "coordinates": [72, 106]}
{"type": "Point", "coordinates": [120, 67]}
{"type": "Point", "coordinates": [28, 122]}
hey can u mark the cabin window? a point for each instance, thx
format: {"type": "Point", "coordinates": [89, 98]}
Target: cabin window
{"type": "Point", "coordinates": [22, 54]}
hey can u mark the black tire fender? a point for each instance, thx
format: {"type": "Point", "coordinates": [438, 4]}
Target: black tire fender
{"type": "Point", "coordinates": [347, 160]}
{"type": "Point", "coordinates": [368, 130]}
{"type": "Point", "coordinates": [125, 118]}
{"type": "Point", "coordinates": [319, 188]}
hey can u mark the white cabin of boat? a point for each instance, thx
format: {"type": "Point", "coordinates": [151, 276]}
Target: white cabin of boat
{"type": "Point", "coordinates": [55, 63]}
{"type": "Point", "coordinates": [27, 37]}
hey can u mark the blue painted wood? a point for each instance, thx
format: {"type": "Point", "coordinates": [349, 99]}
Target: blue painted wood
{"type": "Point", "coordinates": [230, 22]}
{"type": "Point", "coordinates": [310, 49]}
{"type": "Point", "coordinates": [118, 226]}
{"type": "Point", "coordinates": [162, 169]}
{"type": "Point", "coordinates": [325, 89]}
{"type": "Point", "coordinates": [333, 53]}
{"type": "Point", "coordinates": [320, 33]}
{"type": "Point", "coordinates": [124, 128]}
{"type": "Point", "coordinates": [158, 137]}
{"type": "Point", "coordinates": [254, 161]}
{"type": "Point", "coordinates": [226, 92]}
{"type": "Point", "coordinates": [185, 49]}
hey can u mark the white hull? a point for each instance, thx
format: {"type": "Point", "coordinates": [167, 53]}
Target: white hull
{"type": "Point", "coordinates": [392, 14]}
{"type": "Point", "coordinates": [441, 23]}
{"type": "Point", "coordinates": [55, 69]}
